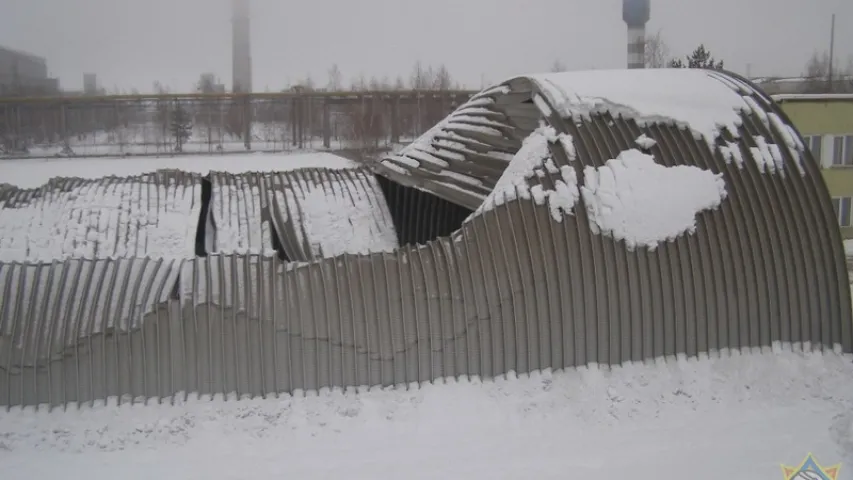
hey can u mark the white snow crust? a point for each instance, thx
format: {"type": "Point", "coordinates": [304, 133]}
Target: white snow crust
{"type": "Point", "coordinates": [124, 218]}
{"type": "Point", "coordinates": [338, 220]}
{"type": "Point", "coordinates": [534, 159]}
{"type": "Point", "coordinates": [332, 214]}
{"type": "Point", "coordinates": [235, 208]}
{"type": "Point", "coordinates": [645, 142]}
{"type": "Point", "coordinates": [634, 199]}
{"type": "Point", "coordinates": [735, 417]}
{"type": "Point", "coordinates": [33, 173]}
{"type": "Point", "coordinates": [687, 97]}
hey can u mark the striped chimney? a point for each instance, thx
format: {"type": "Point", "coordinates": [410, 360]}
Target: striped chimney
{"type": "Point", "coordinates": [636, 13]}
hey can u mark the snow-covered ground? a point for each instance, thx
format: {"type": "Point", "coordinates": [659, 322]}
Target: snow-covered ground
{"type": "Point", "coordinates": [32, 173]}
{"type": "Point", "coordinates": [735, 417]}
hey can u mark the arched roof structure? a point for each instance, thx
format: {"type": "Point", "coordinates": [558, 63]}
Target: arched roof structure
{"type": "Point", "coordinates": [552, 221]}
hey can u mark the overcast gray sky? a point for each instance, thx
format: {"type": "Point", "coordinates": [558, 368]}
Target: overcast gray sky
{"type": "Point", "coordinates": [132, 43]}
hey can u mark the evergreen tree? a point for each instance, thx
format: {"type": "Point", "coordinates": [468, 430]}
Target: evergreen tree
{"type": "Point", "coordinates": [700, 58]}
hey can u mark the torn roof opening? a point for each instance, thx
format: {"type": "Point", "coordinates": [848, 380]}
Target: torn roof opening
{"type": "Point", "coordinates": [463, 157]}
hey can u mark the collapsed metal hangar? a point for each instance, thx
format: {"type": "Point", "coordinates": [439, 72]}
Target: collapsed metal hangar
{"type": "Point", "coordinates": [255, 304]}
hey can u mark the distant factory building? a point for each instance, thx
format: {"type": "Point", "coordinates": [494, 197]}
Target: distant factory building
{"type": "Point", "coordinates": [24, 74]}
{"type": "Point", "coordinates": [90, 84]}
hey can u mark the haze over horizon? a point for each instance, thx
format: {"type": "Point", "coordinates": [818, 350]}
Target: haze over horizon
{"type": "Point", "coordinates": [130, 44]}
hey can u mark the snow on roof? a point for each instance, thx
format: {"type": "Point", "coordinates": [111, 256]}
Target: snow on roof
{"type": "Point", "coordinates": [713, 105]}
{"type": "Point", "coordinates": [635, 199]}
{"type": "Point", "coordinates": [152, 215]}
{"type": "Point", "coordinates": [33, 173]}
{"type": "Point", "coordinates": [465, 153]}
{"type": "Point", "coordinates": [692, 98]}
{"type": "Point", "coordinates": [314, 213]}
{"type": "Point", "coordinates": [630, 198]}
{"type": "Point", "coordinates": [534, 161]}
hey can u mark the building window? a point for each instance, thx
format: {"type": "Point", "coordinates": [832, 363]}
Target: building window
{"type": "Point", "coordinates": [815, 142]}
{"type": "Point", "coordinates": [848, 150]}
{"type": "Point", "coordinates": [842, 150]}
{"type": "Point", "coordinates": [842, 210]}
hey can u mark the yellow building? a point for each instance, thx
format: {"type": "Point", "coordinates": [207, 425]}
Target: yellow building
{"type": "Point", "coordinates": [826, 123]}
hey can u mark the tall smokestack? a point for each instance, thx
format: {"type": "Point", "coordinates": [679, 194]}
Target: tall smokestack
{"type": "Point", "coordinates": [636, 13]}
{"type": "Point", "coordinates": [241, 60]}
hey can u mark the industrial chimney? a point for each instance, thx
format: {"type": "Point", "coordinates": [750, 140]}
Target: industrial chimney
{"type": "Point", "coordinates": [241, 60]}
{"type": "Point", "coordinates": [636, 13]}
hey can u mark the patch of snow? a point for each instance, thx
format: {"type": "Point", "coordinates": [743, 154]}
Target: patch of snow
{"type": "Point", "coordinates": [792, 140]}
{"type": "Point", "coordinates": [235, 208]}
{"type": "Point", "coordinates": [645, 142]}
{"type": "Point", "coordinates": [493, 90]}
{"type": "Point", "coordinates": [550, 167]}
{"type": "Point", "coordinates": [765, 159]}
{"type": "Point", "coordinates": [534, 159]}
{"type": "Point", "coordinates": [542, 105]}
{"type": "Point", "coordinates": [426, 157]}
{"type": "Point", "coordinates": [339, 220]}
{"type": "Point", "coordinates": [731, 152]}
{"type": "Point", "coordinates": [736, 417]}
{"type": "Point", "coordinates": [460, 177]}
{"type": "Point", "coordinates": [410, 162]}
{"type": "Point", "coordinates": [755, 108]}
{"type": "Point", "coordinates": [634, 199]}
{"type": "Point", "coordinates": [393, 166]}
{"type": "Point", "coordinates": [687, 97]}
{"type": "Point", "coordinates": [467, 127]}
{"type": "Point", "coordinates": [132, 217]}
{"type": "Point", "coordinates": [33, 173]}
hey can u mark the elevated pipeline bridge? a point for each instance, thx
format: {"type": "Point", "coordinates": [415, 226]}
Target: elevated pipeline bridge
{"type": "Point", "coordinates": [110, 125]}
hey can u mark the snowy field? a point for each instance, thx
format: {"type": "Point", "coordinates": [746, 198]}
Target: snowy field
{"type": "Point", "coordinates": [734, 417]}
{"type": "Point", "coordinates": [33, 173]}
{"type": "Point", "coordinates": [729, 417]}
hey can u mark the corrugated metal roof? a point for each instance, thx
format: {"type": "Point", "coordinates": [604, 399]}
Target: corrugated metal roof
{"type": "Point", "coordinates": [152, 215]}
{"type": "Point", "coordinates": [307, 213]}
{"type": "Point", "coordinates": [46, 307]}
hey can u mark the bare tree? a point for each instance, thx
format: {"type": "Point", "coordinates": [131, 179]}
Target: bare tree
{"type": "Point", "coordinates": [818, 79]}
{"type": "Point", "coordinates": [335, 83]}
{"type": "Point", "coordinates": [657, 51]}
{"type": "Point", "coordinates": [163, 115]}
{"type": "Point", "coordinates": [399, 84]}
{"type": "Point", "coordinates": [558, 66]}
{"type": "Point", "coordinates": [421, 78]}
{"type": "Point", "coordinates": [442, 81]}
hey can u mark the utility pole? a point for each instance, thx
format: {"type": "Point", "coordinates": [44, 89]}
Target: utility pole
{"type": "Point", "coordinates": [831, 51]}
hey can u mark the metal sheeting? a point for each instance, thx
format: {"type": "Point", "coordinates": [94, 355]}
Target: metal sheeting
{"type": "Point", "coordinates": [462, 157]}
{"type": "Point", "coordinates": [302, 214]}
{"type": "Point", "coordinates": [512, 290]}
{"type": "Point", "coordinates": [56, 315]}
{"type": "Point", "coordinates": [148, 215]}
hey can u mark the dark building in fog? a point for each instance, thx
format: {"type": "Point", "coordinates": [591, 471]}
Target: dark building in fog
{"type": "Point", "coordinates": [24, 74]}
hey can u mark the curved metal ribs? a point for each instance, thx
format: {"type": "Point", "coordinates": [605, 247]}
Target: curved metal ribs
{"type": "Point", "coordinates": [513, 289]}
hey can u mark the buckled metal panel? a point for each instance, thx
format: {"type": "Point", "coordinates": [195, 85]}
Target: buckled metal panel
{"type": "Point", "coordinates": [514, 289]}
{"type": "Point", "coordinates": [146, 215]}
{"type": "Point", "coordinates": [300, 214]}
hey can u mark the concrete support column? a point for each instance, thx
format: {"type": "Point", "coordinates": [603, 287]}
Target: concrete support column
{"type": "Point", "coordinates": [327, 125]}
{"type": "Point", "coordinates": [247, 122]}
{"type": "Point", "coordinates": [395, 120]}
